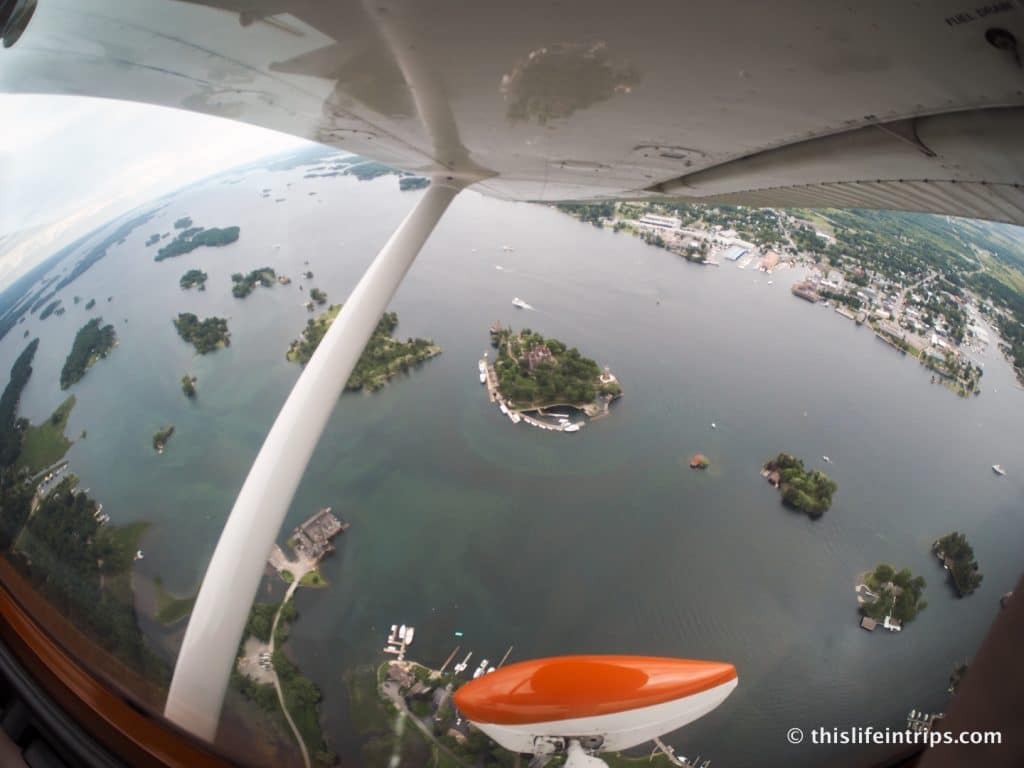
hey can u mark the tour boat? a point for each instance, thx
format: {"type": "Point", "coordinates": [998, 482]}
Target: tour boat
{"type": "Point", "coordinates": [998, 469]}
{"type": "Point", "coordinates": [408, 635]}
{"type": "Point", "coordinates": [483, 378]}
{"type": "Point", "coordinates": [519, 303]}
{"type": "Point", "coordinates": [572, 428]}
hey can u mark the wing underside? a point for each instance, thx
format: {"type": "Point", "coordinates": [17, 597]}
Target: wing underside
{"type": "Point", "coordinates": [874, 104]}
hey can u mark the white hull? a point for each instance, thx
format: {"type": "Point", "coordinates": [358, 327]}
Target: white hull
{"type": "Point", "coordinates": [621, 730]}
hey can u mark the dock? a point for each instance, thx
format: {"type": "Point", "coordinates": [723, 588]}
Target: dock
{"type": "Point", "coordinates": [491, 379]}
{"type": "Point", "coordinates": [313, 538]}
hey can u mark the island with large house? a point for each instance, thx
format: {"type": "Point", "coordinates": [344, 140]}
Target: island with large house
{"type": "Point", "coordinates": [383, 357]}
{"type": "Point", "coordinates": [890, 598]}
{"type": "Point", "coordinates": [533, 374]}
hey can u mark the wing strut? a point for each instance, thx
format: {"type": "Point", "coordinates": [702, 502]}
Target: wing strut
{"type": "Point", "coordinates": [232, 578]}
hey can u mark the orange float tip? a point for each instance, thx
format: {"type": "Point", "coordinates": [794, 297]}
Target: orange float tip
{"type": "Point", "coordinates": [567, 687]}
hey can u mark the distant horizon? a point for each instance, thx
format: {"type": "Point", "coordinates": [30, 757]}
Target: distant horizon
{"type": "Point", "coordinates": [52, 192]}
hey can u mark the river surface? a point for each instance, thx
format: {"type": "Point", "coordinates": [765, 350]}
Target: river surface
{"type": "Point", "coordinates": [598, 542]}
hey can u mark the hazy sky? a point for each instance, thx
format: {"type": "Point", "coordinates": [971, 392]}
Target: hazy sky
{"type": "Point", "coordinates": [68, 164]}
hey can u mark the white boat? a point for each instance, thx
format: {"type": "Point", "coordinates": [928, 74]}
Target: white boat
{"type": "Point", "coordinates": [477, 673]}
{"type": "Point", "coordinates": [138, 555]}
{"type": "Point", "coordinates": [408, 635]}
{"type": "Point", "coordinates": [502, 408]}
{"type": "Point", "coordinates": [572, 428]}
{"type": "Point", "coordinates": [514, 417]}
{"type": "Point", "coordinates": [519, 303]}
{"type": "Point", "coordinates": [771, 282]}
{"type": "Point", "coordinates": [507, 248]}
{"type": "Point", "coordinates": [998, 469]}
{"type": "Point", "coordinates": [713, 425]}
{"type": "Point", "coordinates": [483, 378]}
{"type": "Point", "coordinates": [499, 267]}
{"type": "Point", "coordinates": [826, 459]}
{"type": "Point", "coordinates": [401, 634]}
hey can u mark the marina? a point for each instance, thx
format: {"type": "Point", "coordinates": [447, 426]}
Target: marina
{"type": "Point", "coordinates": [562, 422]}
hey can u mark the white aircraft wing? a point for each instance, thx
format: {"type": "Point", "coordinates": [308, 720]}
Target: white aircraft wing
{"type": "Point", "coordinates": [868, 104]}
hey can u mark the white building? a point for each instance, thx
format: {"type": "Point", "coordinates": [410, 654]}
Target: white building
{"type": "Point", "coordinates": [659, 222]}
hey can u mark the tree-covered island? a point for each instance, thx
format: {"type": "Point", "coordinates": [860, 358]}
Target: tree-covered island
{"type": "Point", "coordinates": [193, 237]}
{"type": "Point", "coordinates": [161, 437]}
{"type": "Point", "coordinates": [317, 295]}
{"type": "Point", "coordinates": [207, 335]}
{"type": "Point", "coordinates": [245, 284]}
{"type": "Point", "coordinates": [892, 595]}
{"type": "Point", "coordinates": [957, 557]}
{"type": "Point", "coordinates": [92, 343]}
{"type": "Point", "coordinates": [188, 386]}
{"type": "Point", "coordinates": [808, 491]}
{"type": "Point", "coordinates": [382, 358]}
{"type": "Point", "coordinates": [194, 278]}
{"type": "Point", "coordinates": [534, 372]}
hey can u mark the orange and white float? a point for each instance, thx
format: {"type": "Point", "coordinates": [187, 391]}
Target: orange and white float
{"type": "Point", "coordinates": [589, 704]}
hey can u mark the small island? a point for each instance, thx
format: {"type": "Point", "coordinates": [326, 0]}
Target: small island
{"type": "Point", "coordinates": [161, 437]}
{"type": "Point", "coordinates": [92, 343]}
{"type": "Point", "coordinates": [183, 223]}
{"type": "Point", "coordinates": [192, 279]}
{"type": "Point", "coordinates": [206, 335]}
{"type": "Point", "coordinates": [188, 386]}
{"type": "Point", "coordinates": [957, 557]}
{"type": "Point", "coordinates": [49, 309]}
{"type": "Point", "coordinates": [317, 295]}
{"type": "Point", "coordinates": [90, 303]}
{"type": "Point", "coordinates": [534, 372]}
{"type": "Point", "coordinates": [808, 491]}
{"type": "Point", "coordinates": [382, 358]}
{"type": "Point", "coordinates": [245, 284]}
{"type": "Point", "coordinates": [194, 237]}
{"type": "Point", "coordinates": [153, 239]}
{"type": "Point", "coordinates": [890, 598]}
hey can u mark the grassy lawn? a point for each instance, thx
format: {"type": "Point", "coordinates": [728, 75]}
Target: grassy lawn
{"type": "Point", "coordinates": [125, 541]}
{"type": "Point", "coordinates": [313, 579]}
{"type": "Point", "coordinates": [45, 443]}
{"type": "Point", "coordinates": [169, 608]}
